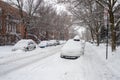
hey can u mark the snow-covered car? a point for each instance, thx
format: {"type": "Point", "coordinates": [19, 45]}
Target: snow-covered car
{"type": "Point", "coordinates": [43, 44]}
{"type": "Point", "coordinates": [72, 49]}
{"type": "Point", "coordinates": [52, 43]}
{"type": "Point", "coordinates": [25, 45]}
{"type": "Point", "coordinates": [62, 41]}
{"type": "Point", "coordinates": [57, 42]}
{"type": "Point", "coordinates": [76, 38]}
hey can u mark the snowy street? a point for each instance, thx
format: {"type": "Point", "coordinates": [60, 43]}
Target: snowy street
{"type": "Point", "coordinates": [46, 64]}
{"type": "Point", "coordinates": [21, 59]}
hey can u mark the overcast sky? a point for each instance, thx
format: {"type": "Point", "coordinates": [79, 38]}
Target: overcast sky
{"type": "Point", "coordinates": [60, 7]}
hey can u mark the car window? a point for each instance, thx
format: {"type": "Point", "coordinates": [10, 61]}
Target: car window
{"type": "Point", "coordinates": [76, 39]}
{"type": "Point", "coordinates": [30, 43]}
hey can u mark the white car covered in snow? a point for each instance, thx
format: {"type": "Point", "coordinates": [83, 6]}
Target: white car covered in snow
{"type": "Point", "coordinates": [72, 49]}
{"type": "Point", "coordinates": [25, 45]}
{"type": "Point", "coordinates": [43, 44]}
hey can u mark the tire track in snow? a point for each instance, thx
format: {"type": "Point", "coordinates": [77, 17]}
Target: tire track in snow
{"type": "Point", "coordinates": [19, 58]}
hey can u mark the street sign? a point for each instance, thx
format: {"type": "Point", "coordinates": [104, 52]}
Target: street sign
{"type": "Point", "coordinates": [105, 16]}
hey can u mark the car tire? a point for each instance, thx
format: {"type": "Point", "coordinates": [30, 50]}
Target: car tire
{"type": "Point", "coordinates": [76, 57]}
{"type": "Point", "coordinates": [61, 56]}
{"type": "Point", "coordinates": [34, 47]}
{"type": "Point", "coordinates": [27, 49]}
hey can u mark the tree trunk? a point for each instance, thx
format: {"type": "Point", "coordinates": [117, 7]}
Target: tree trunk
{"type": "Point", "coordinates": [113, 33]}
{"type": "Point", "coordinates": [97, 33]}
{"type": "Point", "coordinates": [98, 42]}
{"type": "Point", "coordinates": [92, 34]}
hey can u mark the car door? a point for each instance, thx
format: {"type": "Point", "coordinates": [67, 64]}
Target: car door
{"type": "Point", "coordinates": [31, 45]}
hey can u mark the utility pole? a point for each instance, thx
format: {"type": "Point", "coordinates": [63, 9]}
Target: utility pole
{"type": "Point", "coordinates": [106, 25]}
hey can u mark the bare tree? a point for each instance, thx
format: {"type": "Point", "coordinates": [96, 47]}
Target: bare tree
{"type": "Point", "coordinates": [88, 13]}
{"type": "Point", "coordinates": [112, 7]}
{"type": "Point", "coordinates": [41, 18]}
{"type": "Point", "coordinates": [30, 6]}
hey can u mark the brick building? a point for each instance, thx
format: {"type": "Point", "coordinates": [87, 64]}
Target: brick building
{"type": "Point", "coordinates": [10, 26]}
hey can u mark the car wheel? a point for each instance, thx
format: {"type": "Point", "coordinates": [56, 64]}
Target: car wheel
{"type": "Point", "coordinates": [35, 47]}
{"type": "Point", "coordinates": [76, 57]}
{"type": "Point", "coordinates": [61, 56]}
{"type": "Point", "coordinates": [27, 49]}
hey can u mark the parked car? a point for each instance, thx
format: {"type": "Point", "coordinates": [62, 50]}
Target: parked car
{"type": "Point", "coordinates": [25, 45]}
{"type": "Point", "coordinates": [72, 49]}
{"type": "Point", "coordinates": [76, 38]}
{"type": "Point", "coordinates": [62, 41]}
{"type": "Point", "coordinates": [52, 43]}
{"type": "Point", "coordinates": [43, 44]}
{"type": "Point", "coordinates": [57, 42]}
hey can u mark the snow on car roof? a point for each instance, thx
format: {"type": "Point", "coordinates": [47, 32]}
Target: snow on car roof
{"type": "Point", "coordinates": [23, 42]}
{"type": "Point", "coordinates": [43, 43]}
{"type": "Point", "coordinates": [71, 45]}
{"type": "Point", "coordinates": [77, 37]}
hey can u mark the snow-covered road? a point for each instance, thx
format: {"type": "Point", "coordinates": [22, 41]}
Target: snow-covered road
{"type": "Point", "coordinates": [52, 67]}
{"type": "Point", "coordinates": [90, 66]}
{"type": "Point", "coordinates": [20, 59]}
